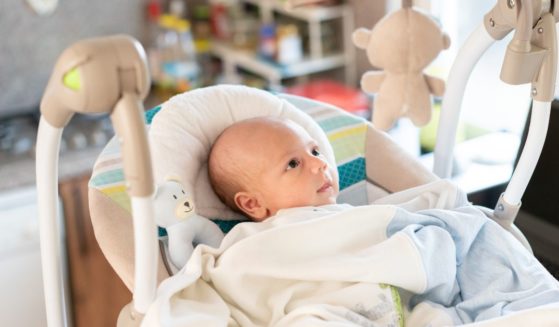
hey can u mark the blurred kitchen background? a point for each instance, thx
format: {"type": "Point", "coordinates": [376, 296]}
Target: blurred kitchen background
{"type": "Point", "coordinates": [194, 43]}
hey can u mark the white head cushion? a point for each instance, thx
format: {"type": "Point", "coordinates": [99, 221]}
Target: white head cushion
{"type": "Point", "coordinates": [182, 133]}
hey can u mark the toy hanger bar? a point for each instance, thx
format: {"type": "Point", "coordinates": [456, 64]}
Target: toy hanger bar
{"type": "Point", "coordinates": [531, 57]}
{"type": "Point", "coordinates": [95, 76]}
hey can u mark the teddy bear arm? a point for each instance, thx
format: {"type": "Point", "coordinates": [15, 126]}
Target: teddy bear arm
{"type": "Point", "coordinates": [371, 81]}
{"type": "Point", "coordinates": [180, 247]}
{"type": "Point", "coordinates": [207, 232]}
{"type": "Point", "coordinates": [436, 85]}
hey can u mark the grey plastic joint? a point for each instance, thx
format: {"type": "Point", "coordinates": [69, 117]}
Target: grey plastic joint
{"type": "Point", "coordinates": [129, 317]}
{"type": "Point", "coordinates": [505, 213]}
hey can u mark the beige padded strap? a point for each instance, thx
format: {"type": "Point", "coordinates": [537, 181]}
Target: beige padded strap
{"type": "Point", "coordinates": [115, 237]}
{"type": "Point", "coordinates": [389, 166]}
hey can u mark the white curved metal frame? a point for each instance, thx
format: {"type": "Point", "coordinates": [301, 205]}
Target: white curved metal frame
{"type": "Point", "coordinates": [475, 46]}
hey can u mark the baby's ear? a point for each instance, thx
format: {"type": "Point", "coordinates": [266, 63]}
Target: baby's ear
{"type": "Point", "coordinates": [446, 41]}
{"type": "Point", "coordinates": [251, 206]}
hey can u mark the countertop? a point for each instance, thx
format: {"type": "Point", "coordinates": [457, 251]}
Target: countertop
{"type": "Point", "coordinates": [18, 173]}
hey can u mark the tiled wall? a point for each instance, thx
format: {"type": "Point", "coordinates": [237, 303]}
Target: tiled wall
{"type": "Point", "coordinates": [30, 44]}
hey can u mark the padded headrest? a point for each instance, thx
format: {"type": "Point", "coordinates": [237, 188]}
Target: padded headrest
{"type": "Point", "coordinates": [182, 133]}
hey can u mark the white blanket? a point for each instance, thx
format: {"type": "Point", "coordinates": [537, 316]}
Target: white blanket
{"type": "Point", "coordinates": [327, 269]}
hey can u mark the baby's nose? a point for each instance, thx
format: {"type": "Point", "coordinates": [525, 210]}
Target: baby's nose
{"type": "Point", "coordinates": [318, 165]}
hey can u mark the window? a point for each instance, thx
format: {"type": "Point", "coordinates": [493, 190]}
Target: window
{"type": "Point", "coordinates": [489, 103]}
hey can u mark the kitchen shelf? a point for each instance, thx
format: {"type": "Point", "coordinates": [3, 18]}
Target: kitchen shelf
{"type": "Point", "coordinates": [310, 14]}
{"type": "Point", "coordinates": [315, 61]}
{"type": "Point", "coordinates": [272, 71]}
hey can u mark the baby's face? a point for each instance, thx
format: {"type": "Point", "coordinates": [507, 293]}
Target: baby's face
{"type": "Point", "coordinates": [291, 170]}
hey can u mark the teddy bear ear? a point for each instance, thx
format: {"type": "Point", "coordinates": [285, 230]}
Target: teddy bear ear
{"type": "Point", "coordinates": [360, 37]}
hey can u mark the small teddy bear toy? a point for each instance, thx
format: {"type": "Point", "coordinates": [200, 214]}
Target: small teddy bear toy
{"type": "Point", "coordinates": [403, 44]}
{"type": "Point", "coordinates": [174, 211]}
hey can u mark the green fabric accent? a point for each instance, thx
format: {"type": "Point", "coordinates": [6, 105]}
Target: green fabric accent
{"type": "Point", "coordinates": [107, 177]}
{"type": "Point", "coordinates": [336, 122]}
{"type": "Point", "coordinates": [348, 147]}
{"type": "Point", "coordinates": [397, 301]}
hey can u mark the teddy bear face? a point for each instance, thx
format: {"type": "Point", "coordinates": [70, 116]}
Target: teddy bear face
{"type": "Point", "coordinates": [406, 41]}
{"type": "Point", "coordinates": [171, 204]}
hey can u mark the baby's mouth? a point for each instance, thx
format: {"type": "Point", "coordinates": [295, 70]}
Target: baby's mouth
{"type": "Point", "coordinates": [326, 186]}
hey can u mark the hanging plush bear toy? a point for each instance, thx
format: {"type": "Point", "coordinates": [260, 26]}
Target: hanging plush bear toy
{"type": "Point", "coordinates": [402, 44]}
{"type": "Point", "coordinates": [174, 211]}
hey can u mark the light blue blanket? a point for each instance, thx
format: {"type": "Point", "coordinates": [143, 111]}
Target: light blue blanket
{"type": "Point", "coordinates": [475, 269]}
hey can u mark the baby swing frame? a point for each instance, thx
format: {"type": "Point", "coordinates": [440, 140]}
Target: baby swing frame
{"type": "Point", "coordinates": [113, 72]}
{"type": "Point", "coordinates": [531, 57]}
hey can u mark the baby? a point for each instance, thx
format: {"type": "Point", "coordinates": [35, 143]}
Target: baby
{"type": "Point", "coordinates": [460, 265]}
{"type": "Point", "coordinates": [264, 164]}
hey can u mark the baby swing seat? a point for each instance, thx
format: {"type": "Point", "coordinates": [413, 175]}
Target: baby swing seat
{"type": "Point", "coordinates": [370, 166]}
{"type": "Point", "coordinates": [369, 163]}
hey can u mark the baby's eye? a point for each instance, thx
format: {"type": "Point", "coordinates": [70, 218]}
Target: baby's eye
{"type": "Point", "coordinates": [293, 163]}
{"type": "Point", "coordinates": [315, 152]}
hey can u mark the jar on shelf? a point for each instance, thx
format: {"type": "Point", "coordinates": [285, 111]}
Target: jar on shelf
{"type": "Point", "coordinates": [177, 67]}
{"type": "Point", "coordinates": [220, 21]}
{"type": "Point", "coordinates": [245, 33]}
{"type": "Point", "coordinates": [267, 46]}
{"type": "Point", "coordinates": [289, 44]}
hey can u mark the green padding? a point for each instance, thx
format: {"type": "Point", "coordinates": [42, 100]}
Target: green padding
{"type": "Point", "coordinates": [339, 121]}
{"type": "Point", "coordinates": [72, 79]}
{"type": "Point", "coordinates": [107, 177]}
{"type": "Point", "coordinates": [351, 172]}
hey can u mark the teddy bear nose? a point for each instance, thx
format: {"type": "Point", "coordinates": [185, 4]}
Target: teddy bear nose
{"type": "Point", "coordinates": [187, 204]}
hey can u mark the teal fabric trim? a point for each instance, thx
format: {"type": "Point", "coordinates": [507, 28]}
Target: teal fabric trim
{"type": "Point", "coordinates": [150, 113]}
{"type": "Point", "coordinates": [352, 172]}
{"type": "Point", "coordinates": [224, 225]}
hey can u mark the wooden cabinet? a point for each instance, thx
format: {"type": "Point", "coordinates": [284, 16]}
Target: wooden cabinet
{"type": "Point", "coordinates": [97, 293]}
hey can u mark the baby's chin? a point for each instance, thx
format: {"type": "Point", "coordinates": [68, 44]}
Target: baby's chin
{"type": "Point", "coordinates": [326, 201]}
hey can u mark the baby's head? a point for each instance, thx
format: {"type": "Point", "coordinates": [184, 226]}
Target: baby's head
{"type": "Point", "coordinates": [260, 165]}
